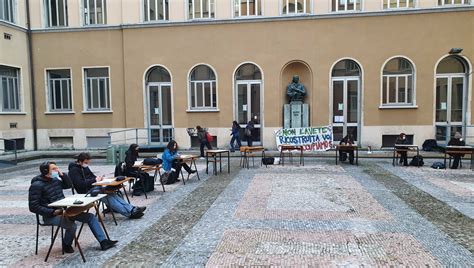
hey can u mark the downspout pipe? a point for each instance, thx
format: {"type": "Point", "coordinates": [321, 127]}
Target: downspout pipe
{"type": "Point", "coordinates": [32, 77]}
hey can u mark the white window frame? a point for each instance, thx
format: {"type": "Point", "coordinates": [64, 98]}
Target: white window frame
{"type": "Point", "coordinates": [415, 4]}
{"type": "Point", "coordinates": [211, 7]}
{"type": "Point", "coordinates": [213, 90]}
{"type": "Point", "coordinates": [146, 13]}
{"type": "Point", "coordinates": [10, 10]}
{"type": "Point", "coordinates": [398, 104]}
{"type": "Point", "coordinates": [346, 4]}
{"type": "Point", "coordinates": [17, 96]}
{"type": "Point", "coordinates": [306, 9]}
{"type": "Point", "coordinates": [85, 15]}
{"type": "Point", "coordinates": [48, 18]}
{"type": "Point", "coordinates": [88, 109]}
{"type": "Point", "coordinates": [463, 2]}
{"type": "Point", "coordinates": [49, 101]}
{"type": "Point", "coordinates": [236, 7]}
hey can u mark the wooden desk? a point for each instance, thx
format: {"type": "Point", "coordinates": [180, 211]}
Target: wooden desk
{"type": "Point", "coordinates": [403, 148]}
{"type": "Point", "coordinates": [70, 209]}
{"type": "Point", "coordinates": [114, 187]}
{"type": "Point", "coordinates": [213, 154]}
{"type": "Point", "coordinates": [247, 151]}
{"type": "Point", "coordinates": [192, 160]}
{"type": "Point", "coordinates": [289, 148]}
{"type": "Point", "coordinates": [346, 148]}
{"type": "Point", "coordinates": [459, 150]}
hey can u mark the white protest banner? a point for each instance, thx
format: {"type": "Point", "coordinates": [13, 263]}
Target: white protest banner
{"type": "Point", "coordinates": [312, 138]}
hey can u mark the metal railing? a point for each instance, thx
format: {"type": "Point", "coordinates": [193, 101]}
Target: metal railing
{"type": "Point", "coordinates": [15, 150]}
{"type": "Point", "coordinates": [124, 137]}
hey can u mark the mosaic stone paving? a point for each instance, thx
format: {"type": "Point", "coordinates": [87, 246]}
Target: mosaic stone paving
{"type": "Point", "coordinates": [318, 215]}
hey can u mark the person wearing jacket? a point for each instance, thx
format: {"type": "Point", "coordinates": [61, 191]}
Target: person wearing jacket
{"type": "Point", "coordinates": [146, 182]}
{"type": "Point", "coordinates": [83, 179]}
{"type": "Point", "coordinates": [48, 188]}
{"type": "Point", "coordinates": [235, 136]}
{"type": "Point", "coordinates": [347, 140]}
{"type": "Point", "coordinates": [249, 132]}
{"type": "Point", "coordinates": [202, 136]}
{"type": "Point", "coordinates": [170, 160]}
{"type": "Point", "coordinates": [402, 139]}
{"type": "Point", "coordinates": [456, 141]}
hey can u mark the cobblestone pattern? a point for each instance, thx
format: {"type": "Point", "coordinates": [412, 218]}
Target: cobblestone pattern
{"type": "Point", "coordinates": [329, 197]}
{"type": "Point", "coordinates": [452, 222]}
{"type": "Point", "coordinates": [306, 249]}
{"type": "Point", "coordinates": [203, 240]}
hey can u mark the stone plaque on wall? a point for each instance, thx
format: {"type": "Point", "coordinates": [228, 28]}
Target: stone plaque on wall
{"type": "Point", "coordinates": [295, 115]}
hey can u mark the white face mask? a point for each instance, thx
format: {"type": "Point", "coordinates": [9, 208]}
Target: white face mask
{"type": "Point", "coordinates": [85, 165]}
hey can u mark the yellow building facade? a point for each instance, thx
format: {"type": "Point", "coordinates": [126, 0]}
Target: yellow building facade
{"type": "Point", "coordinates": [156, 68]}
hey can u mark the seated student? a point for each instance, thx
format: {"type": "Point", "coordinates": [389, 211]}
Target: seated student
{"type": "Point", "coordinates": [170, 160]}
{"type": "Point", "coordinates": [402, 139]}
{"type": "Point", "coordinates": [83, 178]}
{"type": "Point", "coordinates": [347, 140]}
{"type": "Point", "coordinates": [48, 188]}
{"type": "Point", "coordinates": [456, 141]}
{"type": "Point", "coordinates": [146, 182]}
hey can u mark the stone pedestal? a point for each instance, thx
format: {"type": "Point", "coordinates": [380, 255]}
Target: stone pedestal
{"type": "Point", "coordinates": [295, 115]}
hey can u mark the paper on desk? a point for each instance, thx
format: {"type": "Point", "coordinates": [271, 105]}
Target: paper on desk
{"type": "Point", "coordinates": [138, 163]}
{"type": "Point", "coordinates": [108, 180]}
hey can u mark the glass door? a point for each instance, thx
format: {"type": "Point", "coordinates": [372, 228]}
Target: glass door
{"type": "Point", "coordinates": [160, 124]}
{"type": "Point", "coordinates": [249, 106]}
{"type": "Point", "coordinates": [345, 107]}
{"type": "Point", "coordinates": [449, 106]}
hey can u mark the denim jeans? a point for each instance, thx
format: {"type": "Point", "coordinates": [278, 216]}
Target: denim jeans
{"type": "Point", "coordinates": [117, 204]}
{"type": "Point", "coordinates": [70, 226]}
{"type": "Point", "coordinates": [206, 144]}
{"type": "Point", "coordinates": [233, 139]}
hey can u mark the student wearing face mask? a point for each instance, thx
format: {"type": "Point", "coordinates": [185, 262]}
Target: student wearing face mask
{"type": "Point", "coordinates": [402, 139]}
{"type": "Point", "coordinates": [83, 179]}
{"type": "Point", "coordinates": [48, 188]}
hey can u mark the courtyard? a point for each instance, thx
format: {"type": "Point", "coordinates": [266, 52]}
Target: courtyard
{"type": "Point", "coordinates": [316, 215]}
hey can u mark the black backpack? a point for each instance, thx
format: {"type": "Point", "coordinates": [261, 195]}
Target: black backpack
{"type": "Point", "coordinates": [268, 160]}
{"type": "Point", "coordinates": [417, 161]}
{"type": "Point", "coordinates": [438, 165]}
{"type": "Point", "coordinates": [152, 161]}
{"type": "Point", "coordinates": [430, 145]}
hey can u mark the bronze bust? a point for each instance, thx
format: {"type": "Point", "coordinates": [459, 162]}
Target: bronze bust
{"type": "Point", "coordinates": [295, 90]}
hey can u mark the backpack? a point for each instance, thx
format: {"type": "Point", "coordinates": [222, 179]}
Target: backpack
{"type": "Point", "coordinates": [268, 160]}
{"type": "Point", "coordinates": [430, 145]}
{"type": "Point", "coordinates": [119, 169]}
{"type": "Point", "coordinates": [209, 137]}
{"type": "Point", "coordinates": [417, 161]}
{"type": "Point", "coordinates": [152, 161]}
{"type": "Point", "coordinates": [438, 165]}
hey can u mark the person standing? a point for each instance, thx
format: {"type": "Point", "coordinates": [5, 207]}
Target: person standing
{"type": "Point", "coordinates": [202, 136]}
{"type": "Point", "coordinates": [402, 139]}
{"type": "Point", "coordinates": [249, 132]}
{"type": "Point", "coordinates": [235, 136]}
{"type": "Point", "coordinates": [456, 141]}
{"type": "Point", "coordinates": [47, 188]}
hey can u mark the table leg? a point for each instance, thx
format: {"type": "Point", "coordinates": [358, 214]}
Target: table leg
{"type": "Point", "coordinates": [228, 162]}
{"type": "Point", "coordinates": [195, 167]}
{"type": "Point", "coordinates": [207, 163]}
{"type": "Point", "coordinates": [182, 176]}
{"type": "Point", "coordinates": [336, 156]}
{"type": "Point", "coordinates": [418, 154]}
{"type": "Point", "coordinates": [302, 156]}
{"type": "Point", "coordinates": [215, 164]}
{"type": "Point", "coordinates": [220, 162]}
{"type": "Point", "coordinates": [79, 247]}
{"type": "Point", "coordinates": [444, 158]}
{"type": "Point", "coordinates": [357, 156]}
{"type": "Point", "coordinates": [52, 242]}
{"type": "Point", "coordinates": [111, 210]}
{"type": "Point", "coordinates": [101, 222]}
{"type": "Point", "coordinates": [393, 157]}
{"type": "Point", "coordinates": [125, 191]}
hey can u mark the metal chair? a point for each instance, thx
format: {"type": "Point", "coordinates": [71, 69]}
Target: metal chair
{"type": "Point", "coordinates": [38, 224]}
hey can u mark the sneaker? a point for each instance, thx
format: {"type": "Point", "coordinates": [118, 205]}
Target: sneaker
{"type": "Point", "coordinates": [141, 209]}
{"type": "Point", "coordinates": [106, 244]}
{"type": "Point", "coordinates": [136, 214]}
{"type": "Point", "coordinates": [68, 249]}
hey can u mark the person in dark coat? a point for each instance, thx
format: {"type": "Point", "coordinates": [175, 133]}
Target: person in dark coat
{"type": "Point", "coordinates": [202, 136]}
{"type": "Point", "coordinates": [235, 136]}
{"type": "Point", "coordinates": [347, 140]}
{"type": "Point", "coordinates": [83, 179]}
{"type": "Point", "coordinates": [48, 188]}
{"type": "Point", "coordinates": [402, 139]}
{"type": "Point", "coordinates": [249, 132]}
{"type": "Point", "coordinates": [456, 141]}
{"type": "Point", "coordinates": [145, 182]}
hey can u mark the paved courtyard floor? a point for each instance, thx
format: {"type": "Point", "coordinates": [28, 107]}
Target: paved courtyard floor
{"type": "Point", "coordinates": [316, 215]}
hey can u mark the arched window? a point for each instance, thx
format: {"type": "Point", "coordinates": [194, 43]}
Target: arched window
{"type": "Point", "coordinates": [346, 68]}
{"type": "Point", "coordinates": [292, 7]}
{"type": "Point", "coordinates": [158, 74]}
{"type": "Point", "coordinates": [398, 83]}
{"type": "Point", "coordinates": [202, 85]}
{"type": "Point", "coordinates": [248, 71]}
{"type": "Point", "coordinates": [346, 5]}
